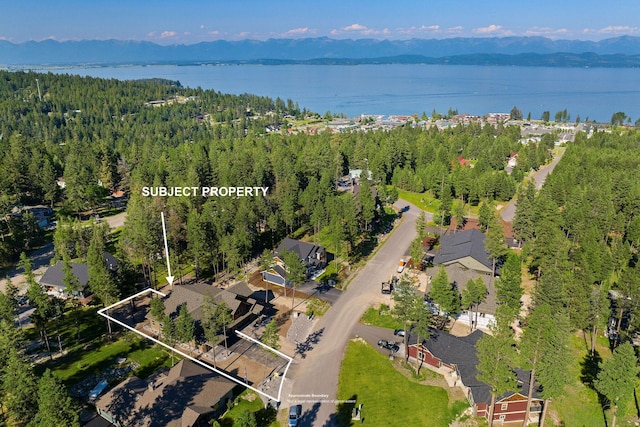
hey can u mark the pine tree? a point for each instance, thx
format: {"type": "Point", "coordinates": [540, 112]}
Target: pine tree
{"type": "Point", "coordinates": [185, 326]}
{"type": "Point", "coordinates": [271, 337]}
{"type": "Point", "coordinates": [404, 297]}
{"type": "Point", "coordinates": [20, 388]}
{"type": "Point", "coordinates": [443, 294]}
{"type": "Point", "coordinates": [496, 359]}
{"type": "Point", "coordinates": [617, 378]}
{"type": "Point", "coordinates": [541, 347]}
{"type": "Point", "coordinates": [495, 241]}
{"type": "Point", "coordinates": [55, 406]}
{"type": "Point", "coordinates": [509, 284]}
{"type": "Point", "coordinates": [295, 271]}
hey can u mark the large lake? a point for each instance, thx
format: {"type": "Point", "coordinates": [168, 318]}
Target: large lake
{"type": "Point", "coordinates": [595, 93]}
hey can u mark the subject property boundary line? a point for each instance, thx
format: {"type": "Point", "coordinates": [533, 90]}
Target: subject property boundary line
{"type": "Point", "coordinates": [103, 312]}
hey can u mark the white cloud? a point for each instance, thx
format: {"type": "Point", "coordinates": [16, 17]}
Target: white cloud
{"type": "Point", "coordinates": [202, 26]}
{"type": "Point", "coordinates": [494, 30]}
{"type": "Point", "coordinates": [613, 29]}
{"type": "Point", "coordinates": [214, 33]}
{"type": "Point", "coordinates": [167, 34]}
{"type": "Point", "coordinates": [454, 30]}
{"type": "Point", "coordinates": [421, 30]}
{"type": "Point", "coordinates": [359, 29]}
{"type": "Point", "coordinates": [546, 31]}
{"type": "Point", "coordinates": [299, 32]}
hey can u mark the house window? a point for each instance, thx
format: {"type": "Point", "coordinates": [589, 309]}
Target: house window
{"type": "Point", "coordinates": [421, 355]}
{"type": "Point", "coordinates": [502, 417]}
{"type": "Point", "coordinates": [504, 406]}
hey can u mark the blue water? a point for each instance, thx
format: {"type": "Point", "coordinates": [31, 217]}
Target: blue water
{"type": "Point", "coordinates": [595, 93]}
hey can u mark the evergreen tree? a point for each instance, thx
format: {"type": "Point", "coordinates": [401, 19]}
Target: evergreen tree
{"type": "Point", "coordinates": [540, 346]}
{"type": "Point", "coordinates": [443, 294]}
{"type": "Point", "coordinates": [170, 334]}
{"type": "Point", "coordinates": [617, 379]}
{"type": "Point", "coordinates": [55, 407]}
{"type": "Point", "coordinates": [296, 271]}
{"type": "Point", "coordinates": [271, 337]}
{"type": "Point", "coordinates": [484, 215]}
{"type": "Point", "coordinates": [185, 326]}
{"type": "Point", "coordinates": [509, 284]}
{"type": "Point", "coordinates": [404, 297]}
{"type": "Point", "coordinates": [495, 241]}
{"type": "Point", "coordinates": [20, 388]}
{"type": "Point", "coordinates": [246, 418]}
{"type": "Point", "coordinates": [496, 359]}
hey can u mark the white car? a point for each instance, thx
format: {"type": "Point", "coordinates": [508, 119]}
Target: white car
{"type": "Point", "coordinates": [401, 266]}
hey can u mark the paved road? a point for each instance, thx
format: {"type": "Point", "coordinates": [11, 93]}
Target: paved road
{"type": "Point", "coordinates": [317, 374]}
{"type": "Point", "coordinates": [510, 210]}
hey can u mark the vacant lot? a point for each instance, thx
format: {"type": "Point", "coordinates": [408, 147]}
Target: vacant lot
{"type": "Point", "coordinates": [388, 396]}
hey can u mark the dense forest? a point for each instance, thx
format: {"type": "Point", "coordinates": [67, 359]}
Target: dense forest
{"type": "Point", "coordinates": [104, 135]}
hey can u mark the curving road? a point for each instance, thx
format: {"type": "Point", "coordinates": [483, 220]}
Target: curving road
{"type": "Point", "coordinates": [315, 378]}
{"type": "Point", "coordinates": [509, 211]}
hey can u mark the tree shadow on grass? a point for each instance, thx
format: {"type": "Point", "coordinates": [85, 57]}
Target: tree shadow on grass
{"type": "Point", "coordinates": [589, 369]}
{"type": "Point", "coordinates": [345, 409]}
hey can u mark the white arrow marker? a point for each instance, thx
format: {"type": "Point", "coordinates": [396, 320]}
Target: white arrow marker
{"type": "Point", "coordinates": [166, 249]}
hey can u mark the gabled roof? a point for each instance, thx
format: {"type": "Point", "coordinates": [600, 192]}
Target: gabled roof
{"type": "Point", "coordinates": [54, 276]}
{"type": "Point", "coordinates": [461, 352]}
{"type": "Point", "coordinates": [306, 251]}
{"type": "Point", "coordinates": [457, 246]}
{"type": "Point", "coordinates": [193, 295]}
{"type": "Point", "coordinates": [174, 398]}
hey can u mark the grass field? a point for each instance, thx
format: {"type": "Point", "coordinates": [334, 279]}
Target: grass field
{"type": "Point", "coordinates": [249, 401]}
{"type": "Point", "coordinates": [381, 317]}
{"type": "Point", "coordinates": [580, 405]}
{"type": "Point", "coordinates": [389, 398]}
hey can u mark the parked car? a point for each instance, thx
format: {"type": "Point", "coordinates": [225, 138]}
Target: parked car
{"type": "Point", "coordinates": [295, 412]}
{"type": "Point", "coordinates": [386, 288]}
{"type": "Point", "coordinates": [389, 345]}
{"type": "Point", "coordinates": [401, 266]}
{"type": "Point", "coordinates": [399, 332]}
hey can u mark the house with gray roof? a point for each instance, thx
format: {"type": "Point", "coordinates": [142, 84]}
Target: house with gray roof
{"type": "Point", "coordinates": [458, 355]}
{"type": "Point", "coordinates": [53, 278]}
{"type": "Point", "coordinates": [187, 395]}
{"type": "Point", "coordinates": [466, 249]}
{"type": "Point", "coordinates": [313, 256]}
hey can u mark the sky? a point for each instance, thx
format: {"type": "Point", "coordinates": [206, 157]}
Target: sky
{"type": "Point", "coordinates": [191, 21]}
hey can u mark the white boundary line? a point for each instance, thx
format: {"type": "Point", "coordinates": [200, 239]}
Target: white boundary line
{"type": "Point", "coordinates": [102, 312]}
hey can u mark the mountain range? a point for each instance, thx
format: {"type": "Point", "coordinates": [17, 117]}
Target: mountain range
{"type": "Point", "coordinates": [530, 51]}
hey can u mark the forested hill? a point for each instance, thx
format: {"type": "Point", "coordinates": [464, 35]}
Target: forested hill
{"type": "Point", "coordinates": [102, 135]}
{"type": "Point", "coordinates": [529, 51]}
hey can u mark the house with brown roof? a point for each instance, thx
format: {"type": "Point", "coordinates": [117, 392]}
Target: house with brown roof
{"type": "Point", "coordinates": [458, 356]}
{"type": "Point", "coordinates": [237, 298]}
{"type": "Point", "coordinates": [187, 395]}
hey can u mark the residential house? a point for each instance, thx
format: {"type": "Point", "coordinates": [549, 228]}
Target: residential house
{"type": "Point", "coordinates": [313, 256]}
{"type": "Point", "coordinates": [244, 308]}
{"type": "Point", "coordinates": [466, 249]}
{"type": "Point", "coordinates": [54, 282]}
{"type": "Point", "coordinates": [457, 356]}
{"type": "Point", "coordinates": [187, 395]}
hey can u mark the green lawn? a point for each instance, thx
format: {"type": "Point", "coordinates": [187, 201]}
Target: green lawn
{"type": "Point", "coordinates": [249, 401]}
{"type": "Point", "coordinates": [381, 317]}
{"type": "Point", "coordinates": [424, 201]}
{"type": "Point", "coordinates": [98, 355]}
{"type": "Point", "coordinates": [580, 406]}
{"type": "Point", "coordinates": [389, 398]}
